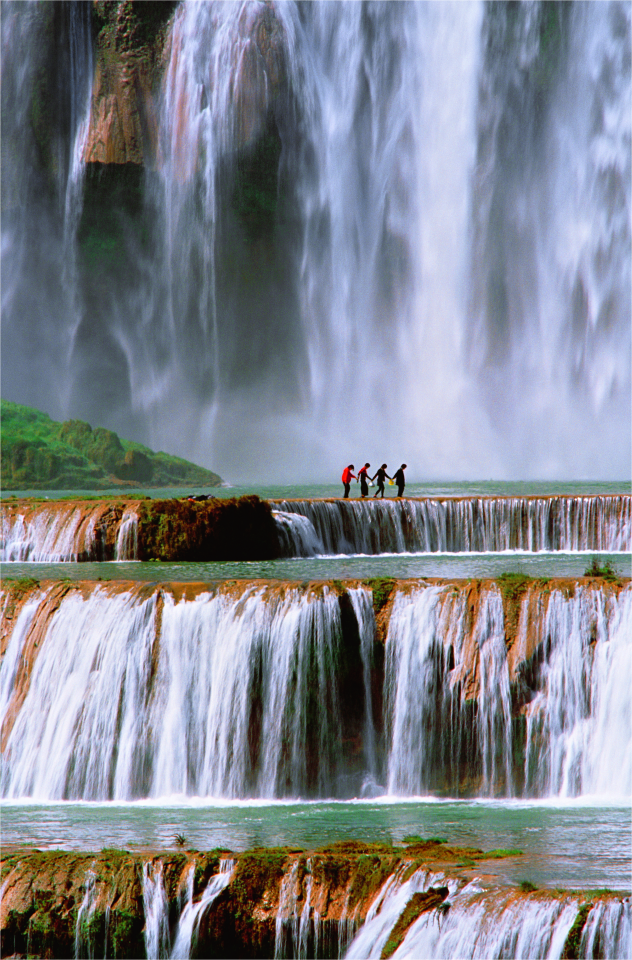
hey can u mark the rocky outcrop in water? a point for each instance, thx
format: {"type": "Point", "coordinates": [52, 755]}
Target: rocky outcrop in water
{"type": "Point", "coordinates": [220, 529]}
{"type": "Point", "coordinates": [179, 530]}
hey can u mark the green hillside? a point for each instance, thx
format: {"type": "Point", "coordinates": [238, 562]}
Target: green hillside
{"type": "Point", "coordinates": [41, 454]}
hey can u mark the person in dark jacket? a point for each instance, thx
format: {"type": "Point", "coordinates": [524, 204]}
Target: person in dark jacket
{"type": "Point", "coordinates": [347, 477]}
{"type": "Point", "coordinates": [380, 476]}
{"type": "Point", "coordinates": [399, 479]}
{"type": "Point", "coordinates": [363, 477]}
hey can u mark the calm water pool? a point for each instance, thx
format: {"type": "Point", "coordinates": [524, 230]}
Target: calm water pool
{"type": "Point", "coordinates": [400, 566]}
{"type": "Point", "coordinates": [578, 844]}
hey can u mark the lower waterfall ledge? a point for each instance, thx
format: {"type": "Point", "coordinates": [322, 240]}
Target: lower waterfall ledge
{"type": "Point", "coordinates": [347, 899]}
{"type": "Point", "coordinates": [506, 688]}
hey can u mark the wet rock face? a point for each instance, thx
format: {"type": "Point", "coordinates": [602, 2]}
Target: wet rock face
{"type": "Point", "coordinates": [259, 70]}
{"type": "Point", "coordinates": [42, 898]}
{"type": "Point", "coordinates": [122, 124]}
{"type": "Point", "coordinates": [133, 40]}
{"type": "Point", "coordinates": [57, 904]}
{"type": "Point", "coordinates": [130, 39]}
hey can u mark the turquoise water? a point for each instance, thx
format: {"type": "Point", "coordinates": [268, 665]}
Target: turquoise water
{"type": "Point", "coordinates": [429, 488]}
{"type": "Point", "coordinates": [400, 566]}
{"type": "Point", "coordinates": [573, 844]}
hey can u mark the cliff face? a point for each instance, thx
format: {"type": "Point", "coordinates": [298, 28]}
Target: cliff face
{"type": "Point", "coordinates": [134, 42]}
{"type": "Point", "coordinates": [130, 38]}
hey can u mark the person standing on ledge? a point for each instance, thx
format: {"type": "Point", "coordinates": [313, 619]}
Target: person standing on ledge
{"type": "Point", "coordinates": [380, 476]}
{"type": "Point", "coordinates": [347, 477]}
{"type": "Point", "coordinates": [399, 479]}
{"type": "Point", "coordinates": [363, 477]}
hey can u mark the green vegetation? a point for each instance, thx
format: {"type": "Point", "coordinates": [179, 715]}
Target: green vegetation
{"type": "Point", "coordinates": [382, 588]}
{"type": "Point", "coordinates": [604, 571]}
{"type": "Point", "coordinates": [131, 25]}
{"type": "Point", "coordinates": [501, 854]}
{"type": "Point", "coordinates": [229, 529]}
{"type": "Point", "coordinates": [415, 838]}
{"type": "Point", "coordinates": [418, 904]}
{"type": "Point", "coordinates": [126, 931]}
{"type": "Point", "coordinates": [39, 453]}
{"type": "Point", "coordinates": [257, 871]}
{"type": "Point", "coordinates": [571, 945]}
{"type": "Point", "coordinates": [513, 585]}
{"type": "Point", "coordinates": [527, 887]}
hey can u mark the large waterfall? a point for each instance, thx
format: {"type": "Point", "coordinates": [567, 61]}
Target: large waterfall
{"type": "Point", "coordinates": [287, 691]}
{"type": "Point", "coordinates": [46, 91]}
{"type": "Point", "coordinates": [401, 229]}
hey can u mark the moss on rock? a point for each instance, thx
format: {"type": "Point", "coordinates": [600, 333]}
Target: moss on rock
{"type": "Point", "coordinates": [227, 529]}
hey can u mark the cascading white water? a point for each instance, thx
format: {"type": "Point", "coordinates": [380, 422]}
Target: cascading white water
{"type": "Point", "coordinates": [238, 694]}
{"type": "Point", "coordinates": [549, 296]}
{"type": "Point", "coordinates": [67, 532]}
{"type": "Point", "coordinates": [476, 922]}
{"type": "Point", "coordinates": [227, 697]}
{"type": "Point", "coordinates": [156, 910]}
{"type": "Point", "coordinates": [193, 912]}
{"type": "Point", "coordinates": [387, 907]}
{"type": "Point", "coordinates": [495, 524]}
{"type": "Point", "coordinates": [86, 909]}
{"type": "Point", "coordinates": [422, 206]}
{"type": "Point", "coordinates": [427, 726]}
{"type": "Point", "coordinates": [362, 602]}
{"type": "Point", "coordinates": [127, 537]}
{"type": "Point", "coordinates": [48, 536]}
{"type": "Point", "coordinates": [413, 681]}
{"type": "Point", "coordinates": [44, 123]}
{"type": "Point", "coordinates": [494, 698]}
{"type": "Point", "coordinates": [576, 726]}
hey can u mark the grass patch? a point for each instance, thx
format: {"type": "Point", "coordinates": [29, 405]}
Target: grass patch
{"type": "Point", "coordinates": [527, 887]}
{"type": "Point", "coordinates": [603, 571]}
{"type": "Point", "coordinates": [501, 854]}
{"type": "Point", "coordinates": [415, 838]}
{"type": "Point", "coordinates": [513, 585]}
{"type": "Point", "coordinates": [381, 588]}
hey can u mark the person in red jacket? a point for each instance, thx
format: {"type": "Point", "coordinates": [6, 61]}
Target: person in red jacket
{"type": "Point", "coordinates": [347, 477]}
{"type": "Point", "coordinates": [363, 477]}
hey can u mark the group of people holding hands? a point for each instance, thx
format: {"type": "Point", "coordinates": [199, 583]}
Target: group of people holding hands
{"type": "Point", "coordinates": [363, 478]}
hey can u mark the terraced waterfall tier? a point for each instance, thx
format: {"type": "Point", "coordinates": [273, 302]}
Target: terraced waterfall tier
{"type": "Point", "coordinates": [119, 529]}
{"type": "Point", "coordinates": [248, 528]}
{"type": "Point", "coordinates": [352, 899]}
{"type": "Point", "coordinates": [455, 525]}
{"type": "Point", "coordinates": [270, 690]}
